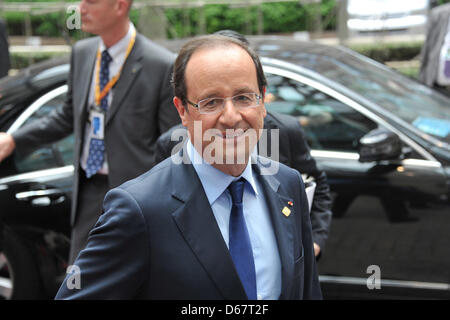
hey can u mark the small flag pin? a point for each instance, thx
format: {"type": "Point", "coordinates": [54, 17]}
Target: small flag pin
{"type": "Point", "coordinates": [286, 211]}
{"type": "Point", "coordinates": [290, 203]}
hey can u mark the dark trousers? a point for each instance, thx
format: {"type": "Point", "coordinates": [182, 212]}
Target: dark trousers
{"type": "Point", "coordinates": [90, 206]}
{"type": "Point", "coordinates": [444, 90]}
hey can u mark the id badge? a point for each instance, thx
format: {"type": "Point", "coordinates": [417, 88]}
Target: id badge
{"type": "Point", "coordinates": [97, 124]}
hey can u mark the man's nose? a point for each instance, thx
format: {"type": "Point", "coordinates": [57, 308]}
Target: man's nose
{"type": "Point", "coordinates": [230, 114]}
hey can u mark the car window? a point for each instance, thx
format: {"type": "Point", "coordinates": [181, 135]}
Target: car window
{"type": "Point", "coordinates": [401, 96]}
{"type": "Point", "coordinates": [328, 123]}
{"type": "Point", "coordinates": [50, 156]}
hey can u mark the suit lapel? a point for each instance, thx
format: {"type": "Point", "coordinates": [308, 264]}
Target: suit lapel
{"type": "Point", "coordinates": [196, 222]}
{"type": "Point", "coordinates": [265, 142]}
{"type": "Point", "coordinates": [129, 73]}
{"type": "Point", "coordinates": [84, 80]}
{"type": "Point", "coordinates": [283, 226]}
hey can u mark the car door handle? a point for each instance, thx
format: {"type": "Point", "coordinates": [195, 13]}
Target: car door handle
{"type": "Point", "coordinates": [41, 198]}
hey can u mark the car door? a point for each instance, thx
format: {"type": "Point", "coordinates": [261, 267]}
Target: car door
{"type": "Point", "coordinates": [35, 189]}
{"type": "Point", "coordinates": [390, 218]}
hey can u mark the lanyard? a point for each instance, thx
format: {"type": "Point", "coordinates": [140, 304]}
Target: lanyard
{"type": "Point", "coordinates": [99, 95]}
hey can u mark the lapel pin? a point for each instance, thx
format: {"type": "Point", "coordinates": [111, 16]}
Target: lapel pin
{"type": "Point", "coordinates": [290, 203]}
{"type": "Point", "coordinates": [286, 211]}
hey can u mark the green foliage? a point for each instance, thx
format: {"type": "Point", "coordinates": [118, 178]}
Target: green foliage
{"type": "Point", "coordinates": [412, 72]}
{"type": "Point", "coordinates": [390, 51]}
{"type": "Point", "coordinates": [49, 24]}
{"type": "Point", "coordinates": [281, 17]}
{"type": "Point", "coordinates": [439, 2]}
{"type": "Point", "coordinates": [284, 17]}
{"type": "Point", "coordinates": [23, 60]}
{"type": "Point", "coordinates": [278, 18]}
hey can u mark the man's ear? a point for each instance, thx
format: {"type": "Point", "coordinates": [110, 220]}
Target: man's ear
{"type": "Point", "coordinates": [123, 7]}
{"type": "Point", "coordinates": [182, 112]}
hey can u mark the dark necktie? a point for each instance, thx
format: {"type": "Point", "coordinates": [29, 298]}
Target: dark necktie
{"type": "Point", "coordinates": [97, 146]}
{"type": "Point", "coordinates": [104, 77]}
{"type": "Point", "coordinates": [239, 241]}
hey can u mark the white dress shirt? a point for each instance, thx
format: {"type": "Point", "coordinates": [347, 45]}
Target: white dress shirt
{"type": "Point", "coordinates": [442, 79]}
{"type": "Point", "coordinates": [117, 53]}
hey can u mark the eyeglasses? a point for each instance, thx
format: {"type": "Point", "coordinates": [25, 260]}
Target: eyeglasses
{"type": "Point", "coordinates": [215, 105]}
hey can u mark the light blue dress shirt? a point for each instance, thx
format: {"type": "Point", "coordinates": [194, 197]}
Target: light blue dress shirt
{"type": "Point", "coordinates": [256, 213]}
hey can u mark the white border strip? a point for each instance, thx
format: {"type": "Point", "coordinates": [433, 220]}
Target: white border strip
{"type": "Point", "coordinates": [355, 156]}
{"type": "Point", "coordinates": [387, 283]}
{"type": "Point", "coordinates": [335, 155]}
{"type": "Point", "coordinates": [47, 174]}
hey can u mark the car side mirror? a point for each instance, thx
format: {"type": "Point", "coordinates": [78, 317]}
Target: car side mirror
{"type": "Point", "coordinates": [379, 144]}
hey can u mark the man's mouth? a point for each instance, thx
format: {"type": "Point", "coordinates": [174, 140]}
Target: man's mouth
{"type": "Point", "coordinates": [233, 133]}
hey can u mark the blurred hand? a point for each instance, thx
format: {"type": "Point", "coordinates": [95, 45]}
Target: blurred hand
{"type": "Point", "coordinates": [316, 119]}
{"type": "Point", "coordinates": [7, 145]}
{"type": "Point", "coordinates": [316, 249]}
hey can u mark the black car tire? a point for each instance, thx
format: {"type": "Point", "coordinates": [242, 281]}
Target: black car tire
{"type": "Point", "coordinates": [22, 268]}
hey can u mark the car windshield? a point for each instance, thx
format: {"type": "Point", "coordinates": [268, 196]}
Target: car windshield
{"type": "Point", "coordinates": [418, 105]}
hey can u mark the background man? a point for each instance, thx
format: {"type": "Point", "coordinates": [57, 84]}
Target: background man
{"type": "Point", "coordinates": [118, 103]}
{"type": "Point", "coordinates": [210, 229]}
{"type": "Point", "coordinates": [4, 50]}
{"type": "Point", "coordinates": [435, 55]}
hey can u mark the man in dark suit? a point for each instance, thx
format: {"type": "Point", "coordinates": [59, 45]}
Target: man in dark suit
{"type": "Point", "coordinates": [4, 50]}
{"type": "Point", "coordinates": [293, 151]}
{"type": "Point", "coordinates": [119, 101]}
{"type": "Point", "coordinates": [435, 54]}
{"type": "Point", "coordinates": [207, 223]}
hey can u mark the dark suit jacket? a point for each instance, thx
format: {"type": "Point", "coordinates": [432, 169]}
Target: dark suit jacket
{"type": "Point", "coordinates": [431, 49]}
{"type": "Point", "coordinates": [293, 152]}
{"type": "Point", "coordinates": [141, 110]}
{"type": "Point", "coordinates": [158, 239]}
{"type": "Point", "coordinates": [4, 50]}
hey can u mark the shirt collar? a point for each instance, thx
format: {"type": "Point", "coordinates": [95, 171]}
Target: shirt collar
{"type": "Point", "coordinates": [214, 181]}
{"type": "Point", "coordinates": [120, 47]}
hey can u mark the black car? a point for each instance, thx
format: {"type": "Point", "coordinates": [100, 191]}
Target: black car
{"type": "Point", "coordinates": [35, 189]}
{"type": "Point", "coordinates": [383, 140]}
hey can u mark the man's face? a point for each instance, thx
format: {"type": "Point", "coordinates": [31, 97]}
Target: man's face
{"type": "Point", "coordinates": [223, 72]}
{"type": "Point", "coordinates": [98, 16]}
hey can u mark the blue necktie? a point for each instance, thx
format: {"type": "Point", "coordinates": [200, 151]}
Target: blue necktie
{"type": "Point", "coordinates": [97, 146]}
{"type": "Point", "coordinates": [239, 241]}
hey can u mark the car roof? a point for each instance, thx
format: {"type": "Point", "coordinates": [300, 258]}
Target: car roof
{"type": "Point", "coordinates": [36, 77]}
{"type": "Point", "coordinates": [18, 91]}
